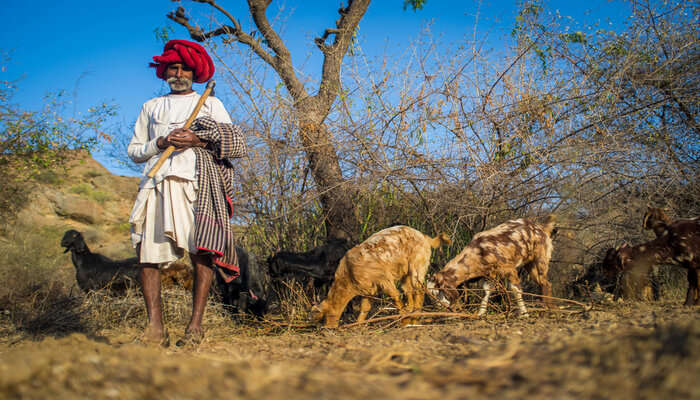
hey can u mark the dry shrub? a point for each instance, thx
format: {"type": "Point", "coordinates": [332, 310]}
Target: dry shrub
{"type": "Point", "coordinates": [673, 282]}
{"type": "Point", "coordinates": [40, 298]}
{"type": "Point", "coordinates": [28, 257]}
{"type": "Point", "coordinates": [35, 297]}
{"type": "Point", "coordinates": [49, 310]}
{"type": "Point", "coordinates": [102, 309]}
{"type": "Point", "coordinates": [127, 313]}
{"type": "Point", "coordinates": [291, 301]}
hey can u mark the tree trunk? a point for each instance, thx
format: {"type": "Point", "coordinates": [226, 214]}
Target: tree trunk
{"type": "Point", "coordinates": [335, 193]}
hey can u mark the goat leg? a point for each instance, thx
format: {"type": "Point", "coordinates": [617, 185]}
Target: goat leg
{"type": "Point", "coordinates": [365, 306]}
{"type": "Point", "coordinates": [522, 311]}
{"type": "Point", "coordinates": [692, 294]}
{"type": "Point", "coordinates": [485, 301]}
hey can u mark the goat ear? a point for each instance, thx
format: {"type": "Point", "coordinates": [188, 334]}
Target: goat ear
{"type": "Point", "coordinates": [80, 245]}
{"type": "Point", "coordinates": [618, 264]}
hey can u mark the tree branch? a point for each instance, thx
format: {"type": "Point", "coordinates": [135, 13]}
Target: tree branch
{"type": "Point", "coordinates": [235, 32]}
{"type": "Point", "coordinates": [283, 59]}
{"type": "Point", "coordinates": [346, 25]}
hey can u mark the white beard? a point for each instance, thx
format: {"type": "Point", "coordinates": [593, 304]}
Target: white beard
{"type": "Point", "coordinates": [179, 84]}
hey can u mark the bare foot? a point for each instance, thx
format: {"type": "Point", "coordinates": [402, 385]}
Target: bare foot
{"type": "Point", "coordinates": [193, 337]}
{"type": "Point", "coordinates": [155, 336]}
{"type": "Point", "coordinates": [153, 332]}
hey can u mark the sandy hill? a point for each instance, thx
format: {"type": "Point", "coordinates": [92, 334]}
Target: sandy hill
{"type": "Point", "coordinates": [86, 197]}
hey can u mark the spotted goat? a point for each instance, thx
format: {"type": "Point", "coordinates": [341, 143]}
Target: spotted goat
{"type": "Point", "coordinates": [631, 267]}
{"type": "Point", "coordinates": [396, 254]}
{"type": "Point", "coordinates": [499, 253]}
{"type": "Point", "coordinates": [682, 237]}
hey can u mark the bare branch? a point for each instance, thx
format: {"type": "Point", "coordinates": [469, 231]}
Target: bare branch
{"type": "Point", "coordinates": [235, 33]}
{"type": "Point", "coordinates": [283, 60]}
{"type": "Point", "coordinates": [346, 25]}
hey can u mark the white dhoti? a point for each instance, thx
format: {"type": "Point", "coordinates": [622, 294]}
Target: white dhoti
{"type": "Point", "coordinates": [162, 220]}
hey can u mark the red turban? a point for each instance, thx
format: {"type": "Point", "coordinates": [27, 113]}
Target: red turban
{"type": "Point", "coordinates": [189, 53]}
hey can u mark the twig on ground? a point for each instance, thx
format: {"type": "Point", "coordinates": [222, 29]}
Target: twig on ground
{"type": "Point", "coordinates": [412, 315]}
{"type": "Point", "coordinates": [586, 307]}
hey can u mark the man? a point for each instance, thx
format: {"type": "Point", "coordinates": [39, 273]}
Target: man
{"type": "Point", "coordinates": [186, 206]}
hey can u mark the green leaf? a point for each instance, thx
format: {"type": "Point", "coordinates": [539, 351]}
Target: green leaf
{"type": "Point", "coordinates": [415, 4]}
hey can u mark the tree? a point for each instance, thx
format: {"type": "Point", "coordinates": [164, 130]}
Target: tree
{"type": "Point", "coordinates": [633, 95]}
{"type": "Point", "coordinates": [448, 135]}
{"type": "Point", "coordinates": [311, 110]}
{"type": "Point", "coordinates": [34, 142]}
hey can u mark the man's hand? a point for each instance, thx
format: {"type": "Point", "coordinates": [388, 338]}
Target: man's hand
{"type": "Point", "coordinates": [184, 139]}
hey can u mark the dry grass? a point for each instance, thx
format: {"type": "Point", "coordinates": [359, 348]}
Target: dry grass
{"type": "Point", "coordinates": [42, 300]}
{"type": "Point", "coordinates": [55, 310]}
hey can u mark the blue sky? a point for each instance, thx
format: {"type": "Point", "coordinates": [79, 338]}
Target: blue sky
{"type": "Point", "coordinates": [99, 51]}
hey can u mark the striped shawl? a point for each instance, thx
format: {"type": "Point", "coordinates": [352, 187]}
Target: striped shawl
{"type": "Point", "coordinates": [214, 208]}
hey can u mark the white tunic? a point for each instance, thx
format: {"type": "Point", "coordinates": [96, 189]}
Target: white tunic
{"type": "Point", "coordinates": [162, 219]}
{"type": "Point", "coordinates": [159, 116]}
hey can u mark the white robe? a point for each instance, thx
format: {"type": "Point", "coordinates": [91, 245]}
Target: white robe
{"type": "Point", "coordinates": [162, 219]}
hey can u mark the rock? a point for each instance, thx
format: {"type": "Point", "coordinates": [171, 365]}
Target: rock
{"type": "Point", "coordinates": [77, 208]}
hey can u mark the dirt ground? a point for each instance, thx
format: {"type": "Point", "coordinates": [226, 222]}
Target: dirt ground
{"type": "Point", "coordinates": [640, 351]}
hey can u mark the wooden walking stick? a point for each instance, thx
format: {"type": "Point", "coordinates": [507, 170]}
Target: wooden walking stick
{"type": "Point", "coordinates": [190, 120]}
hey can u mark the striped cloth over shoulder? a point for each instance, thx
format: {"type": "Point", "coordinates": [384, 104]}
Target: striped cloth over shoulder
{"type": "Point", "coordinates": [214, 206]}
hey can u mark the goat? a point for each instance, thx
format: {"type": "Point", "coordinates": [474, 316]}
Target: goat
{"type": "Point", "coordinates": [655, 219]}
{"type": "Point", "coordinates": [316, 268]}
{"type": "Point", "coordinates": [248, 292]}
{"type": "Point", "coordinates": [684, 243]}
{"type": "Point", "coordinates": [178, 273]}
{"type": "Point", "coordinates": [632, 266]}
{"type": "Point", "coordinates": [592, 278]}
{"type": "Point", "coordinates": [94, 271]}
{"type": "Point", "coordinates": [399, 253]}
{"type": "Point", "coordinates": [498, 253]}
{"type": "Point", "coordinates": [683, 240]}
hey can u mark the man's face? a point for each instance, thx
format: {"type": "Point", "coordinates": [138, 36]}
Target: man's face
{"type": "Point", "coordinates": [179, 77]}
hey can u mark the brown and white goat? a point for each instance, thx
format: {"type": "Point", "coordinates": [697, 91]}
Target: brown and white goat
{"type": "Point", "coordinates": [655, 219]}
{"type": "Point", "coordinates": [631, 267]}
{"type": "Point", "coordinates": [683, 240]}
{"type": "Point", "coordinates": [498, 253]}
{"type": "Point", "coordinates": [399, 253]}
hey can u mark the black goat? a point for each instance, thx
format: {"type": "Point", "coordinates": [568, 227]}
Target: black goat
{"type": "Point", "coordinates": [314, 268]}
{"type": "Point", "coordinates": [248, 293]}
{"type": "Point", "coordinates": [94, 271]}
